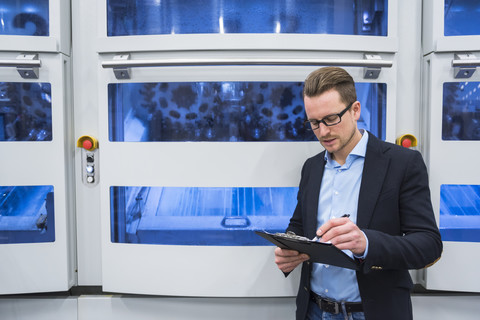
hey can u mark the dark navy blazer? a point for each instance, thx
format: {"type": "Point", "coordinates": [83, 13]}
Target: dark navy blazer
{"type": "Point", "coordinates": [395, 213]}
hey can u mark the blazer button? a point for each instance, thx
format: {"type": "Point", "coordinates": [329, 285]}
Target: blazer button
{"type": "Point", "coordinates": [306, 289]}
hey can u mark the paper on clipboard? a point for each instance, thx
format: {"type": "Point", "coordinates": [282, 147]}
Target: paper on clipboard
{"type": "Point", "coordinates": [318, 251]}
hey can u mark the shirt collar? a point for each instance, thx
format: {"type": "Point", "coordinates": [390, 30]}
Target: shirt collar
{"type": "Point", "coordinates": [358, 151]}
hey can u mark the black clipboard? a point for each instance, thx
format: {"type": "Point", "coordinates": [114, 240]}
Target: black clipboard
{"type": "Point", "coordinates": [320, 252]}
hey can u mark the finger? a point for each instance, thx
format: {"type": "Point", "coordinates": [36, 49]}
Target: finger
{"type": "Point", "coordinates": [334, 222]}
{"type": "Point", "coordinates": [336, 231]}
{"type": "Point", "coordinates": [286, 252]}
{"type": "Point", "coordinates": [291, 259]}
{"type": "Point", "coordinates": [287, 268]}
{"type": "Point", "coordinates": [288, 264]}
{"type": "Point", "coordinates": [343, 239]}
{"type": "Point", "coordinates": [353, 241]}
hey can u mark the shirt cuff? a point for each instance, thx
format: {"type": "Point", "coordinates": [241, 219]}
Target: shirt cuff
{"type": "Point", "coordinates": [366, 249]}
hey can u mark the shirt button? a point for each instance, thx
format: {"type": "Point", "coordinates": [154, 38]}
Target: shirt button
{"type": "Point", "coordinates": [326, 266]}
{"type": "Point", "coordinates": [336, 193]}
{"type": "Point", "coordinates": [326, 290]}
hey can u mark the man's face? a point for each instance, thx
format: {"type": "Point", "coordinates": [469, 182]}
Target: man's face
{"type": "Point", "coordinates": [341, 138]}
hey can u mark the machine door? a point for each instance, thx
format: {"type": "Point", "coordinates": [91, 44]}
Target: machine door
{"type": "Point", "coordinates": [194, 159]}
{"type": "Point", "coordinates": [451, 25]}
{"type": "Point", "coordinates": [35, 204]}
{"type": "Point", "coordinates": [452, 129]}
{"type": "Point", "coordinates": [451, 135]}
{"type": "Point", "coordinates": [363, 25]}
{"type": "Point", "coordinates": [35, 26]}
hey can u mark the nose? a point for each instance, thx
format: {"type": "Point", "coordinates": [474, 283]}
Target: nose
{"type": "Point", "coordinates": [323, 130]}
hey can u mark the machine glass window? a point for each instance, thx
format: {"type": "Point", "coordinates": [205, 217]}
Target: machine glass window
{"type": "Point", "coordinates": [25, 111]}
{"type": "Point", "coordinates": [224, 111]}
{"type": "Point", "coordinates": [460, 213]}
{"type": "Point", "coordinates": [461, 111]}
{"type": "Point", "coordinates": [461, 17]}
{"type": "Point", "coordinates": [199, 215]}
{"type": "Point", "coordinates": [26, 214]}
{"type": "Point", "coordinates": [24, 17]}
{"type": "Point", "coordinates": [348, 17]}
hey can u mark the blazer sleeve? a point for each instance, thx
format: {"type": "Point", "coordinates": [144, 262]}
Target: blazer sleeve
{"type": "Point", "coordinates": [403, 233]}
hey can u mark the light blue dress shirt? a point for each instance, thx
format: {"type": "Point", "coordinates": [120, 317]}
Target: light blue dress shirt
{"type": "Point", "coordinates": [338, 196]}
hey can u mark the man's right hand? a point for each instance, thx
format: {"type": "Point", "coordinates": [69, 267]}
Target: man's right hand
{"type": "Point", "coordinates": [287, 260]}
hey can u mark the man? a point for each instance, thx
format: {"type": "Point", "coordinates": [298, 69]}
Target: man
{"type": "Point", "coordinates": [382, 187]}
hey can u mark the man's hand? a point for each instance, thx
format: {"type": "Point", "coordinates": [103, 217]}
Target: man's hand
{"type": "Point", "coordinates": [344, 234]}
{"type": "Point", "coordinates": [287, 260]}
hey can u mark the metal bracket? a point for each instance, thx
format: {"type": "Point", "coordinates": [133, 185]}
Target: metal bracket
{"type": "Point", "coordinates": [462, 67]}
{"type": "Point", "coordinates": [25, 70]}
{"type": "Point", "coordinates": [123, 72]}
{"type": "Point", "coordinates": [371, 72]}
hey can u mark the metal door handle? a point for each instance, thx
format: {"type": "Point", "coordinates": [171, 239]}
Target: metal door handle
{"type": "Point", "coordinates": [27, 65]}
{"type": "Point", "coordinates": [464, 65]}
{"type": "Point", "coordinates": [121, 63]}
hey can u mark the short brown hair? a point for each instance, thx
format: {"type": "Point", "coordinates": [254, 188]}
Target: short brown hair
{"type": "Point", "coordinates": [327, 78]}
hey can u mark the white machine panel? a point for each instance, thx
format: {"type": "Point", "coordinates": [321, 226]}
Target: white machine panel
{"type": "Point", "coordinates": [452, 135]}
{"type": "Point", "coordinates": [177, 243]}
{"type": "Point", "coordinates": [36, 238]}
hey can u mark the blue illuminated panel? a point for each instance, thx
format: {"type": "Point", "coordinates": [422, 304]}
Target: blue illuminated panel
{"type": "Point", "coordinates": [350, 17]}
{"type": "Point", "coordinates": [224, 111]}
{"type": "Point", "coordinates": [25, 111]}
{"type": "Point", "coordinates": [461, 17]}
{"type": "Point", "coordinates": [199, 216]}
{"type": "Point", "coordinates": [24, 17]}
{"type": "Point", "coordinates": [26, 214]}
{"type": "Point", "coordinates": [461, 111]}
{"type": "Point", "coordinates": [460, 213]}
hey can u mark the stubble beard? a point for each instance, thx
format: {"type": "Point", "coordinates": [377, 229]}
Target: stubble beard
{"type": "Point", "coordinates": [342, 145]}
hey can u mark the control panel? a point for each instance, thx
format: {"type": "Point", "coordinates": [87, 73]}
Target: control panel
{"type": "Point", "coordinates": [90, 159]}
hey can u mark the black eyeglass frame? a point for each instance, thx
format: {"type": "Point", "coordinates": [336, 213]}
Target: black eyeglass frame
{"type": "Point", "coordinates": [315, 124]}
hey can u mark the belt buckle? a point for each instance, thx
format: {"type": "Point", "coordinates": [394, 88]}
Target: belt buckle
{"type": "Point", "coordinates": [335, 306]}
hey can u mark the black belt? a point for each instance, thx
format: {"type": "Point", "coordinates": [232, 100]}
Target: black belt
{"type": "Point", "coordinates": [335, 307]}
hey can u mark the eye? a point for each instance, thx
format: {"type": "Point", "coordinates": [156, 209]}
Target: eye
{"type": "Point", "coordinates": [331, 118]}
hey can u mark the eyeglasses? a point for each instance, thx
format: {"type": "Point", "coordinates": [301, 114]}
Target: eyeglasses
{"type": "Point", "coordinates": [330, 120]}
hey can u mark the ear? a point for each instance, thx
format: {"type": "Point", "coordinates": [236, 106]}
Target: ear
{"type": "Point", "coordinates": [356, 108]}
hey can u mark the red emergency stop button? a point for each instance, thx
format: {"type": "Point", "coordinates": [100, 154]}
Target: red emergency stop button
{"type": "Point", "coordinates": [407, 141]}
{"type": "Point", "coordinates": [87, 142]}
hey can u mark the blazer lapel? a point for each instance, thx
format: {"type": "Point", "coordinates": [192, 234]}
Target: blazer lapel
{"type": "Point", "coordinates": [374, 171]}
{"type": "Point", "coordinates": [313, 190]}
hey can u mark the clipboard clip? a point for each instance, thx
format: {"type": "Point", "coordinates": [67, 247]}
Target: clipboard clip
{"type": "Point", "coordinates": [292, 235]}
